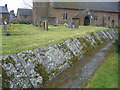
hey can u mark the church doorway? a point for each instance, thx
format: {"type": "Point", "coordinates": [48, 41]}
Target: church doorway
{"type": "Point", "coordinates": [113, 23]}
{"type": "Point", "coordinates": [87, 21]}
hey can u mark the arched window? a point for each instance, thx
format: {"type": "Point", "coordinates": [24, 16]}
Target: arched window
{"type": "Point", "coordinates": [95, 18]}
{"type": "Point", "coordinates": [109, 17]}
{"type": "Point", "coordinates": [65, 15]}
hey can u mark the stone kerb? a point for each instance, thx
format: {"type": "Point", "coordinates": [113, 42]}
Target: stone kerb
{"type": "Point", "coordinates": [30, 69]}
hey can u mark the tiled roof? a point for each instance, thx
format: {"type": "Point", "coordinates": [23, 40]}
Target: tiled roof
{"type": "Point", "coordinates": [97, 6]}
{"type": "Point", "coordinates": [3, 9]}
{"type": "Point", "coordinates": [23, 12]}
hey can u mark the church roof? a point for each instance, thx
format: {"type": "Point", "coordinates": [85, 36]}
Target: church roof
{"type": "Point", "coordinates": [23, 11]}
{"type": "Point", "coordinates": [96, 6]}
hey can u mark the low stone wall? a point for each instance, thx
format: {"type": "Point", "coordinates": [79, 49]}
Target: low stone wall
{"type": "Point", "coordinates": [30, 69]}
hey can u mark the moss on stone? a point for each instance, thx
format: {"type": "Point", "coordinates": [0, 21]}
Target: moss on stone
{"type": "Point", "coordinates": [42, 71]}
{"type": "Point", "coordinates": [73, 60]}
{"type": "Point", "coordinates": [102, 37]}
{"type": "Point", "coordinates": [56, 71]}
{"type": "Point", "coordinates": [31, 55]}
{"type": "Point", "coordinates": [42, 54]}
{"type": "Point", "coordinates": [64, 46]}
{"type": "Point", "coordinates": [86, 50]}
{"type": "Point", "coordinates": [64, 62]}
{"type": "Point", "coordinates": [5, 79]}
{"type": "Point", "coordinates": [26, 59]}
{"type": "Point", "coordinates": [96, 39]}
{"type": "Point", "coordinates": [9, 60]}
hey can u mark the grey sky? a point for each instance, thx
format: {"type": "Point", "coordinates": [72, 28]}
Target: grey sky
{"type": "Point", "coordinates": [15, 4]}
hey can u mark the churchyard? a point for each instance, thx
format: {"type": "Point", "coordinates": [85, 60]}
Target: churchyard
{"type": "Point", "coordinates": [28, 37]}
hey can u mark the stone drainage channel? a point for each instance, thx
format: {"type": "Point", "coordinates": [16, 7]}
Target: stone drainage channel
{"type": "Point", "coordinates": [77, 76]}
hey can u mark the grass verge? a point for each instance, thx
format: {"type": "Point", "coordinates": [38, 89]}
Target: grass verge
{"type": "Point", "coordinates": [107, 75]}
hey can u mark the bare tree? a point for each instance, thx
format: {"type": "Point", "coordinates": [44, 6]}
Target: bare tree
{"type": "Point", "coordinates": [28, 3]}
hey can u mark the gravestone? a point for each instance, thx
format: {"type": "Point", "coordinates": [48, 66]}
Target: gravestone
{"type": "Point", "coordinates": [40, 24]}
{"type": "Point", "coordinates": [70, 24]}
{"type": "Point", "coordinates": [56, 23]}
{"type": "Point", "coordinates": [5, 27]}
{"type": "Point", "coordinates": [46, 25]}
{"type": "Point", "coordinates": [76, 22]}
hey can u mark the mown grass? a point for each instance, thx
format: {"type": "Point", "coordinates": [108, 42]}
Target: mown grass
{"type": "Point", "coordinates": [107, 75]}
{"type": "Point", "coordinates": [25, 37]}
{"type": "Point", "coordinates": [0, 40]}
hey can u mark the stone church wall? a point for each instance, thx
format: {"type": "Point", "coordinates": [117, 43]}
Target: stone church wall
{"type": "Point", "coordinates": [58, 13]}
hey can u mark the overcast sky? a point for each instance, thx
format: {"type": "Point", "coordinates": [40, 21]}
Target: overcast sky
{"type": "Point", "coordinates": [15, 4]}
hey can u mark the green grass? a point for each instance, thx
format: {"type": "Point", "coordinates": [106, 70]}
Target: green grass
{"type": "Point", "coordinates": [107, 75]}
{"type": "Point", "coordinates": [25, 37]}
{"type": "Point", "coordinates": [0, 40]}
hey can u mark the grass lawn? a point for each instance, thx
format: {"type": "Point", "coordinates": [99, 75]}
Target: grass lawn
{"type": "Point", "coordinates": [107, 75]}
{"type": "Point", "coordinates": [0, 40]}
{"type": "Point", "coordinates": [25, 37]}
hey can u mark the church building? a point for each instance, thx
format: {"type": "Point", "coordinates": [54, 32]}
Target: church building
{"type": "Point", "coordinates": [87, 13]}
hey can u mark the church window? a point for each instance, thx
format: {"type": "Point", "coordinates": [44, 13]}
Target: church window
{"type": "Point", "coordinates": [95, 18]}
{"type": "Point", "coordinates": [65, 15]}
{"type": "Point", "coordinates": [109, 17]}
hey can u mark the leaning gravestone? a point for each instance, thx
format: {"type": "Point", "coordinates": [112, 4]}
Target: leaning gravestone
{"type": "Point", "coordinates": [70, 24]}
